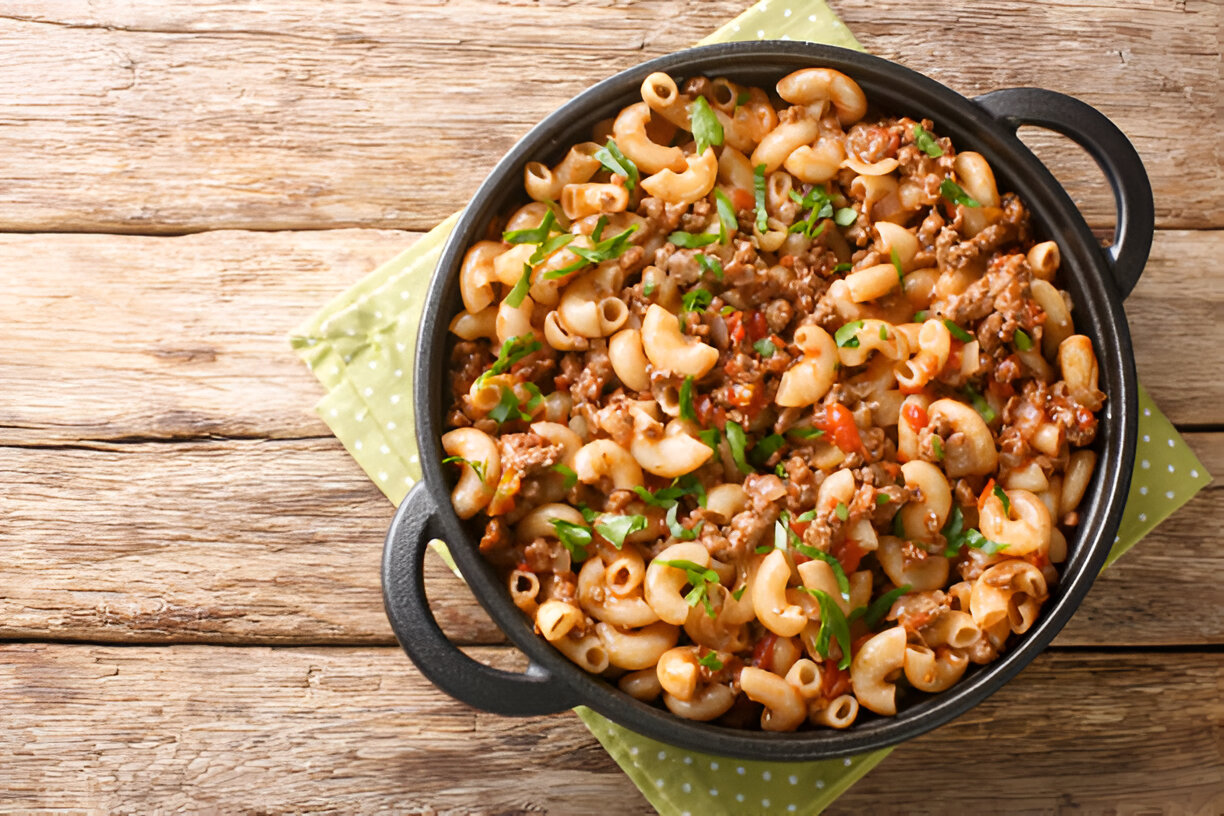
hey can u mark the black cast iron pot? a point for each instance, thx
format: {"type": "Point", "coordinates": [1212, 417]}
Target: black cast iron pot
{"type": "Point", "coordinates": [1097, 278]}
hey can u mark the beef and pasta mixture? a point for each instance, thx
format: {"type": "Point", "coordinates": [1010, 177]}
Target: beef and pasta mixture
{"type": "Point", "coordinates": [769, 404]}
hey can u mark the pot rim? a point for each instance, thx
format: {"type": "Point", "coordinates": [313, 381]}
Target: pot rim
{"type": "Point", "coordinates": [1087, 273]}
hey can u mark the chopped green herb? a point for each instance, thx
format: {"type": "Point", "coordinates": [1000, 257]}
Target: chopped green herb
{"type": "Point", "coordinates": [534, 235]}
{"type": "Point", "coordinates": [952, 191]}
{"type": "Point", "coordinates": [819, 205]}
{"type": "Point", "coordinates": [600, 226]}
{"type": "Point", "coordinates": [711, 661]}
{"type": "Point", "coordinates": [742, 98]}
{"type": "Point", "coordinates": [687, 485]}
{"type": "Point", "coordinates": [616, 528]}
{"type": "Point", "coordinates": [537, 399]}
{"type": "Point", "coordinates": [571, 478]}
{"type": "Point", "coordinates": [896, 262]}
{"type": "Point", "coordinates": [845, 216]}
{"type": "Point", "coordinates": [588, 514]}
{"type": "Point", "coordinates": [704, 125]}
{"type": "Point", "coordinates": [738, 441]}
{"type": "Point", "coordinates": [686, 400]}
{"type": "Point", "coordinates": [875, 612]}
{"type": "Point", "coordinates": [766, 448]}
{"type": "Point", "coordinates": [711, 437]}
{"type": "Point", "coordinates": [980, 404]}
{"type": "Point", "coordinates": [780, 471]}
{"type": "Point", "coordinates": [807, 515]}
{"type": "Point", "coordinates": [926, 142]}
{"type": "Point", "coordinates": [883, 332]}
{"type": "Point", "coordinates": [727, 222]}
{"type": "Point", "coordinates": [882, 499]}
{"type": "Point", "coordinates": [1002, 496]}
{"type": "Point", "coordinates": [614, 160]}
{"type": "Point", "coordinates": [739, 593]}
{"type": "Point", "coordinates": [507, 408]}
{"type": "Point", "coordinates": [727, 311]}
{"type": "Point", "coordinates": [515, 298]}
{"type": "Point", "coordinates": [700, 578]}
{"type": "Point", "coordinates": [833, 624]}
{"type": "Point", "coordinates": [574, 537]}
{"type": "Point", "coordinates": [648, 288]}
{"type": "Point", "coordinates": [898, 526]}
{"type": "Point", "coordinates": [846, 336]}
{"type": "Point", "coordinates": [550, 246]}
{"type": "Point", "coordinates": [758, 188]}
{"type": "Point", "coordinates": [678, 530]}
{"type": "Point", "coordinates": [603, 250]}
{"type": "Point", "coordinates": [511, 352]}
{"type": "Point", "coordinates": [710, 265]}
{"type": "Point", "coordinates": [805, 433]}
{"type": "Point", "coordinates": [478, 467]}
{"type": "Point", "coordinates": [842, 511]}
{"type": "Point", "coordinates": [958, 536]}
{"type": "Point", "coordinates": [957, 332]}
{"type": "Point", "coordinates": [921, 317]}
{"type": "Point", "coordinates": [937, 445]}
{"type": "Point", "coordinates": [1022, 340]}
{"type": "Point", "coordinates": [843, 267]}
{"type": "Point", "coordinates": [696, 300]}
{"type": "Point", "coordinates": [765, 347]}
{"type": "Point", "coordinates": [689, 240]}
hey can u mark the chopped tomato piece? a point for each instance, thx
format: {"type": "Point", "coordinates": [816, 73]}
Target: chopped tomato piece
{"type": "Point", "coordinates": [742, 394]}
{"type": "Point", "coordinates": [758, 327]}
{"type": "Point", "coordinates": [986, 493]}
{"type": "Point", "coordinates": [834, 681]}
{"type": "Point", "coordinates": [735, 326]}
{"type": "Point", "coordinates": [503, 498]}
{"type": "Point", "coordinates": [916, 416]}
{"type": "Point", "coordinates": [849, 553]}
{"type": "Point", "coordinates": [742, 199]}
{"type": "Point", "coordinates": [839, 424]}
{"type": "Point", "coordinates": [763, 653]}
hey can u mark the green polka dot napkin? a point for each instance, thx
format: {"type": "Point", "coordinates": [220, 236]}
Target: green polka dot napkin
{"type": "Point", "coordinates": [361, 347]}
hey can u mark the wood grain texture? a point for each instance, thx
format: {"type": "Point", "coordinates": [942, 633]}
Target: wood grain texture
{"type": "Point", "coordinates": [132, 338]}
{"type": "Point", "coordinates": [279, 542]}
{"type": "Point", "coordinates": [359, 731]}
{"type": "Point", "coordinates": [159, 118]}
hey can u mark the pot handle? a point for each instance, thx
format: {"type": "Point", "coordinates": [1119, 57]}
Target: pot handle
{"type": "Point", "coordinates": [518, 694]}
{"type": "Point", "coordinates": [1113, 153]}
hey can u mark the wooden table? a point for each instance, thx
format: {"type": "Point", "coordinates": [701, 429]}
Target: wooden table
{"type": "Point", "coordinates": [189, 588]}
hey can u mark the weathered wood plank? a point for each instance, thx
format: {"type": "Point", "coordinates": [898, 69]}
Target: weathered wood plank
{"type": "Point", "coordinates": [279, 542]}
{"type": "Point", "coordinates": [359, 731]}
{"type": "Point", "coordinates": [193, 116]}
{"type": "Point", "coordinates": [124, 337]}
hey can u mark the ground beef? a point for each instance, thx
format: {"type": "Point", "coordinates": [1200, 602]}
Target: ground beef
{"type": "Point", "coordinates": [528, 453]}
{"type": "Point", "coordinates": [595, 374]}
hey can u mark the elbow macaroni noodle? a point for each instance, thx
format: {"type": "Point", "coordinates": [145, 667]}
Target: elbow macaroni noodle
{"type": "Point", "coordinates": [757, 423]}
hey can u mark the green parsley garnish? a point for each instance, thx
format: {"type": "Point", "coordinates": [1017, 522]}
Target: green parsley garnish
{"type": "Point", "coordinates": [686, 400]}
{"type": "Point", "coordinates": [600, 226]}
{"type": "Point", "coordinates": [700, 578]}
{"type": "Point", "coordinates": [843, 267]}
{"type": "Point", "coordinates": [511, 352]}
{"type": "Point", "coordinates": [957, 537]}
{"type": "Point", "coordinates": [710, 265]}
{"type": "Point", "coordinates": [765, 347]}
{"type": "Point", "coordinates": [696, 300]}
{"type": "Point", "coordinates": [921, 317]}
{"type": "Point", "coordinates": [1022, 340]}
{"type": "Point", "coordinates": [883, 332]}
{"type": "Point", "coordinates": [896, 262]}
{"type": "Point", "coordinates": [926, 142]}
{"type": "Point", "coordinates": [1002, 496]}
{"type": "Point", "coordinates": [882, 499]}
{"type": "Point", "coordinates": [615, 161]}
{"type": "Point", "coordinates": [515, 298]}
{"type": "Point", "coordinates": [550, 246]}
{"type": "Point", "coordinates": [845, 216]}
{"type": "Point", "coordinates": [758, 188]}
{"type": "Point", "coordinates": [604, 250]}
{"type": "Point", "coordinates": [648, 288]}
{"type": "Point", "coordinates": [678, 530]}
{"type": "Point", "coordinates": [805, 433]}
{"type": "Point", "coordinates": [711, 437]}
{"type": "Point", "coordinates": [711, 661]}
{"type": "Point", "coordinates": [477, 466]}
{"type": "Point", "coordinates": [704, 125]}
{"type": "Point", "coordinates": [739, 593]}
{"type": "Point", "coordinates": [689, 240]}
{"type": "Point", "coordinates": [846, 336]}
{"type": "Point", "coordinates": [937, 444]}
{"type": "Point", "coordinates": [616, 528]}
{"type": "Point", "coordinates": [574, 537]}
{"type": "Point", "coordinates": [957, 332]}
{"type": "Point", "coordinates": [780, 471]}
{"type": "Point", "coordinates": [875, 612]}
{"type": "Point", "coordinates": [766, 448]}
{"type": "Point", "coordinates": [738, 441]}
{"type": "Point", "coordinates": [819, 205]}
{"type": "Point", "coordinates": [534, 235]}
{"type": "Point", "coordinates": [507, 408]}
{"type": "Point", "coordinates": [807, 515]}
{"type": "Point", "coordinates": [784, 535]}
{"type": "Point", "coordinates": [571, 478]}
{"type": "Point", "coordinates": [842, 511]}
{"type": "Point", "coordinates": [952, 191]}
{"type": "Point", "coordinates": [833, 624]}
{"type": "Point", "coordinates": [727, 222]}
{"type": "Point", "coordinates": [980, 404]}
{"type": "Point", "coordinates": [687, 485]}
{"type": "Point", "coordinates": [742, 99]}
